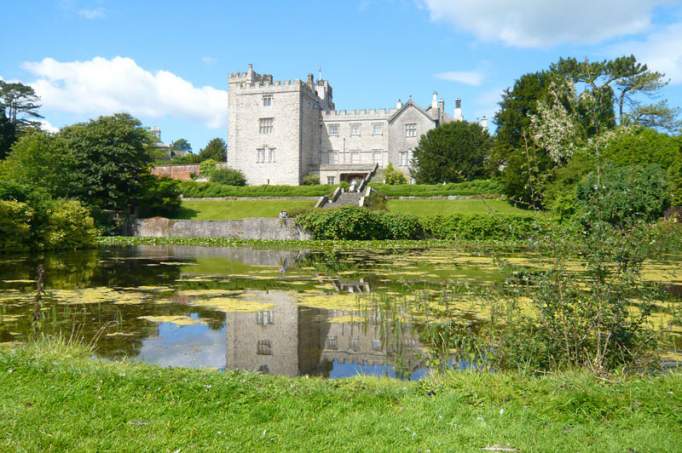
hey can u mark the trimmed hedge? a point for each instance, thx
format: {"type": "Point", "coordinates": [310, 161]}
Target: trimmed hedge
{"type": "Point", "coordinates": [353, 223]}
{"type": "Point", "coordinates": [193, 189]}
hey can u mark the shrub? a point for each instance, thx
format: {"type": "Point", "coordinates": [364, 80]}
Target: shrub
{"type": "Point", "coordinates": [193, 189]}
{"type": "Point", "coordinates": [393, 177]}
{"type": "Point", "coordinates": [15, 226]}
{"type": "Point", "coordinates": [228, 176]}
{"type": "Point", "coordinates": [311, 179]}
{"type": "Point", "coordinates": [207, 167]}
{"type": "Point", "coordinates": [477, 187]}
{"type": "Point", "coordinates": [354, 223]}
{"type": "Point", "coordinates": [621, 195]}
{"type": "Point", "coordinates": [161, 197]}
{"type": "Point", "coordinates": [69, 226]}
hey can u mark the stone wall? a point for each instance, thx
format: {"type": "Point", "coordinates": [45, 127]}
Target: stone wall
{"type": "Point", "coordinates": [252, 228]}
{"type": "Point", "coordinates": [180, 172]}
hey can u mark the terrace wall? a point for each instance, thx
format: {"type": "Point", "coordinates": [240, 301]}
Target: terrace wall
{"type": "Point", "coordinates": [251, 228]}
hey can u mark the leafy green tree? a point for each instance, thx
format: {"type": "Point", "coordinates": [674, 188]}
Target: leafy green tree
{"type": "Point", "coordinates": [160, 197]}
{"type": "Point", "coordinates": [19, 106]}
{"type": "Point", "coordinates": [108, 161]}
{"type": "Point", "coordinates": [181, 144]}
{"type": "Point", "coordinates": [216, 149]}
{"type": "Point", "coordinates": [207, 167]}
{"type": "Point", "coordinates": [393, 176]}
{"type": "Point", "coordinates": [454, 152]}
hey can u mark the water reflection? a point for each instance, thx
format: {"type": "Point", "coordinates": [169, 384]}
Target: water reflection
{"type": "Point", "coordinates": [274, 311]}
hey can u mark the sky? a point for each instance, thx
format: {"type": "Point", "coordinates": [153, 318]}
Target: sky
{"type": "Point", "coordinates": [167, 62]}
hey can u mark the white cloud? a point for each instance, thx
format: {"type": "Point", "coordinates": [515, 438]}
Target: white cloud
{"type": "Point", "coordinates": [47, 126]}
{"type": "Point", "coordinates": [541, 23]}
{"type": "Point", "coordinates": [103, 86]}
{"type": "Point", "coordinates": [472, 78]}
{"type": "Point", "coordinates": [91, 13]}
{"type": "Point", "coordinates": [661, 51]}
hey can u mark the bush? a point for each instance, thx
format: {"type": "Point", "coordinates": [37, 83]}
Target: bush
{"type": "Point", "coordinates": [622, 195]}
{"type": "Point", "coordinates": [228, 176]}
{"type": "Point", "coordinates": [15, 226]}
{"type": "Point", "coordinates": [207, 167]}
{"type": "Point", "coordinates": [393, 177]}
{"type": "Point", "coordinates": [161, 197]}
{"type": "Point", "coordinates": [69, 226]}
{"type": "Point", "coordinates": [311, 179]}
{"type": "Point", "coordinates": [354, 223]}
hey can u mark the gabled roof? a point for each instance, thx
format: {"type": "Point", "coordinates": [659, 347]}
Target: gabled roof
{"type": "Point", "coordinates": [407, 105]}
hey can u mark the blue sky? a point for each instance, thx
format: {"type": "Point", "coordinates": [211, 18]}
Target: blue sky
{"type": "Point", "coordinates": [167, 62]}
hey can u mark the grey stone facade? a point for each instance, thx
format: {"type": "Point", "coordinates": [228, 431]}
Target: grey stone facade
{"type": "Point", "coordinates": [279, 131]}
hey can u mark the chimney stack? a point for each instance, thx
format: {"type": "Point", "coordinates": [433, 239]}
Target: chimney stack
{"type": "Point", "coordinates": [483, 122]}
{"type": "Point", "coordinates": [458, 110]}
{"type": "Point", "coordinates": [434, 101]}
{"type": "Point", "coordinates": [311, 81]}
{"type": "Point", "coordinates": [399, 104]}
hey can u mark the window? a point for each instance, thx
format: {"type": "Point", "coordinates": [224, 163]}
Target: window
{"type": "Point", "coordinates": [331, 343]}
{"type": "Point", "coordinates": [377, 129]}
{"type": "Point", "coordinates": [265, 126]}
{"type": "Point", "coordinates": [331, 180]}
{"type": "Point", "coordinates": [411, 130]}
{"type": "Point", "coordinates": [354, 157]}
{"type": "Point", "coordinates": [404, 159]}
{"type": "Point", "coordinates": [376, 345]}
{"type": "Point", "coordinates": [264, 347]}
{"type": "Point", "coordinates": [376, 157]}
{"type": "Point", "coordinates": [355, 130]}
{"type": "Point", "coordinates": [267, 100]}
{"type": "Point", "coordinates": [271, 155]}
{"type": "Point", "coordinates": [260, 155]}
{"type": "Point", "coordinates": [333, 130]}
{"type": "Point", "coordinates": [264, 318]}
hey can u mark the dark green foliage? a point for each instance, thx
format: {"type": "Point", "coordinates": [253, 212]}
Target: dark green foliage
{"type": "Point", "coordinates": [311, 179]}
{"type": "Point", "coordinates": [15, 226]}
{"type": "Point", "coordinates": [8, 134]}
{"type": "Point", "coordinates": [393, 177]}
{"type": "Point", "coordinates": [19, 106]}
{"type": "Point", "coordinates": [109, 161]}
{"type": "Point", "coordinates": [453, 152]}
{"type": "Point", "coordinates": [525, 177]}
{"type": "Point", "coordinates": [181, 144]}
{"type": "Point", "coordinates": [160, 197]}
{"type": "Point", "coordinates": [216, 149]}
{"type": "Point", "coordinates": [620, 196]}
{"type": "Point", "coordinates": [187, 159]}
{"type": "Point", "coordinates": [516, 107]}
{"type": "Point", "coordinates": [228, 176]}
{"type": "Point", "coordinates": [353, 223]}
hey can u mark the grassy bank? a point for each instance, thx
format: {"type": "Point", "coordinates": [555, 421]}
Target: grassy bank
{"type": "Point", "coordinates": [238, 209]}
{"type": "Point", "coordinates": [55, 398]}
{"type": "Point", "coordinates": [423, 208]}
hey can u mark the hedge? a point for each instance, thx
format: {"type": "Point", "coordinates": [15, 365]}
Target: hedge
{"type": "Point", "coordinates": [353, 223]}
{"type": "Point", "coordinates": [192, 189]}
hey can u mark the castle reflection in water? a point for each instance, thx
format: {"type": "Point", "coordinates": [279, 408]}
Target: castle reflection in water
{"type": "Point", "coordinates": [292, 340]}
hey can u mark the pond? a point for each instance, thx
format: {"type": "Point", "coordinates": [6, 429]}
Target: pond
{"type": "Point", "coordinates": [301, 312]}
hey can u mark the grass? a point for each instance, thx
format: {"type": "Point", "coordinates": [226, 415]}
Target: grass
{"type": "Point", "coordinates": [423, 208]}
{"type": "Point", "coordinates": [238, 209]}
{"type": "Point", "coordinates": [56, 399]}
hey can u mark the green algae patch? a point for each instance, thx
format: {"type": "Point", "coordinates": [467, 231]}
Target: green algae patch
{"type": "Point", "coordinates": [206, 292]}
{"type": "Point", "coordinates": [96, 295]}
{"type": "Point", "coordinates": [349, 302]}
{"type": "Point", "coordinates": [177, 320]}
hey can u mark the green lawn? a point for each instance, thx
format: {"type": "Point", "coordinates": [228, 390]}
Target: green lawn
{"type": "Point", "coordinates": [444, 207]}
{"type": "Point", "coordinates": [55, 398]}
{"type": "Point", "coordinates": [238, 209]}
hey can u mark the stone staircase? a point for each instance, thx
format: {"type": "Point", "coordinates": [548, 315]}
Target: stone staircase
{"type": "Point", "coordinates": [344, 199]}
{"type": "Point", "coordinates": [357, 195]}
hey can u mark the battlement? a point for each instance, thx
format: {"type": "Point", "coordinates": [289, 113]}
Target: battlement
{"type": "Point", "coordinates": [330, 114]}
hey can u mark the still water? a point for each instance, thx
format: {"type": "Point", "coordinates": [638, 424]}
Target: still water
{"type": "Point", "coordinates": [329, 314]}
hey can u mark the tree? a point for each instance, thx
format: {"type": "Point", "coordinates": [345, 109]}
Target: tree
{"type": "Point", "coordinates": [18, 105]}
{"type": "Point", "coordinates": [453, 152]}
{"type": "Point", "coordinates": [216, 149]}
{"type": "Point", "coordinates": [228, 176]}
{"type": "Point", "coordinates": [181, 145]}
{"type": "Point", "coordinates": [109, 161]}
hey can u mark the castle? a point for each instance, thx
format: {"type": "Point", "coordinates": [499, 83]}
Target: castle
{"type": "Point", "coordinates": [280, 131]}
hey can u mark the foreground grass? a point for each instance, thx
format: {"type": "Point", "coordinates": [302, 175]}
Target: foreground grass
{"type": "Point", "coordinates": [54, 398]}
{"type": "Point", "coordinates": [238, 209]}
{"type": "Point", "coordinates": [423, 208]}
